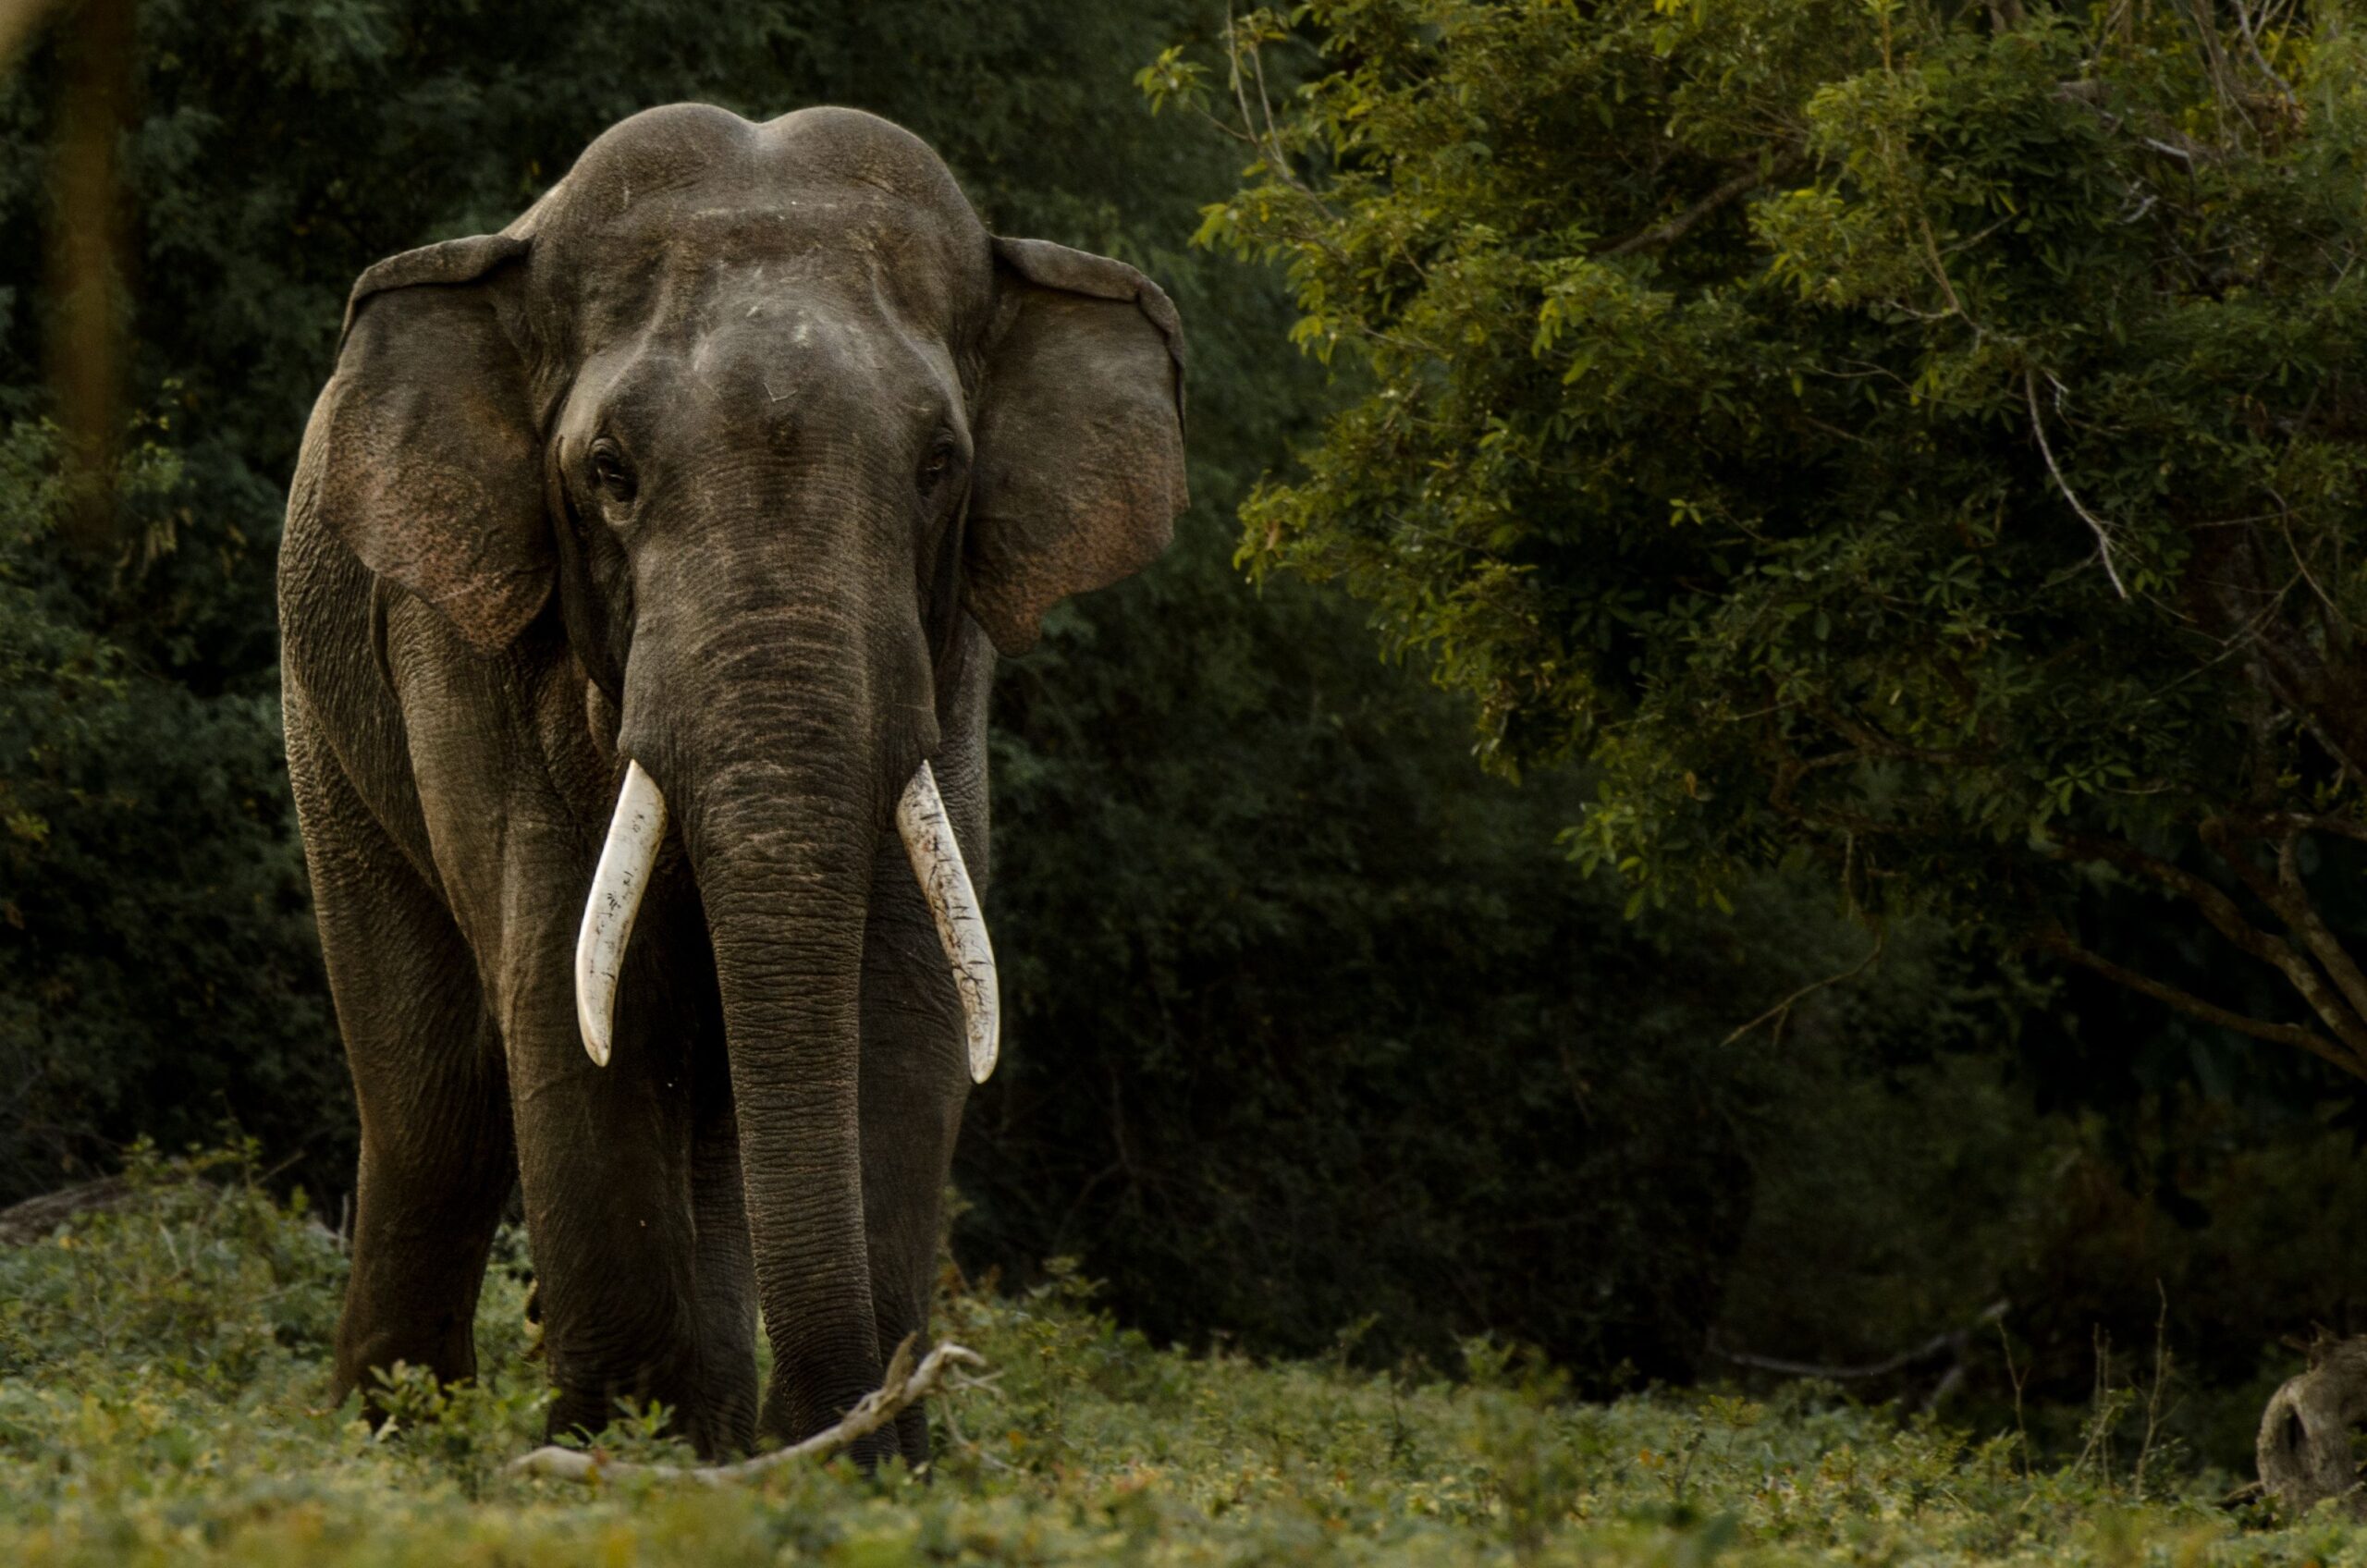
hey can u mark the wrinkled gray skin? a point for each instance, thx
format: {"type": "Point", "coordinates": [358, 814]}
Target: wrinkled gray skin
{"type": "Point", "coordinates": [729, 456]}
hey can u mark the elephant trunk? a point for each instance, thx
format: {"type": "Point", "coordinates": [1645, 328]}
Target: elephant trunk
{"type": "Point", "coordinates": [775, 752]}
{"type": "Point", "coordinates": [783, 865]}
{"type": "Point", "coordinates": [781, 761]}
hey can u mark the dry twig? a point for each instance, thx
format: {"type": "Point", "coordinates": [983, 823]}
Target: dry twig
{"type": "Point", "coordinates": [1782, 1012]}
{"type": "Point", "coordinates": [2162, 1367]}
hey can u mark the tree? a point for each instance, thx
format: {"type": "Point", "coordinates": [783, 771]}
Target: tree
{"type": "Point", "coordinates": [1924, 439]}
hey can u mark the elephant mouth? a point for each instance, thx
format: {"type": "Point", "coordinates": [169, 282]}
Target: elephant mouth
{"type": "Point", "coordinates": [637, 828]}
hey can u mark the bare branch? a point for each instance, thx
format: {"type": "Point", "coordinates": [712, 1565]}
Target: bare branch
{"type": "Point", "coordinates": [1269, 142]}
{"type": "Point", "coordinates": [2320, 684]}
{"type": "Point", "coordinates": [2292, 904]}
{"type": "Point", "coordinates": [2275, 824]}
{"type": "Point", "coordinates": [1782, 1010]}
{"type": "Point", "coordinates": [1954, 1339]}
{"type": "Point", "coordinates": [2096, 525]}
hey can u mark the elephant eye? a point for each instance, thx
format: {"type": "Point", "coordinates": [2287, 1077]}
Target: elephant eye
{"type": "Point", "coordinates": [609, 470]}
{"type": "Point", "coordinates": [938, 463]}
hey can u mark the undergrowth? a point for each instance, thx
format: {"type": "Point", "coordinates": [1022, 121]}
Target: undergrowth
{"type": "Point", "coordinates": [163, 1388]}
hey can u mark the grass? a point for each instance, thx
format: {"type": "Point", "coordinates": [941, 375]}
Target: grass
{"type": "Point", "coordinates": [163, 1378]}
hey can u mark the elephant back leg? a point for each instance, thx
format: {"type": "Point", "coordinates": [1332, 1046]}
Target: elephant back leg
{"type": "Point", "coordinates": [514, 795]}
{"type": "Point", "coordinates": [436, 1165]}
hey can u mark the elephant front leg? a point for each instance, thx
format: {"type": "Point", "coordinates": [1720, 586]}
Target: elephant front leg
{"type": "Point", "coordinates": [725, 1265]}
{"type": "Point", "coordinates": [603, 1157]}
{"type": "Point", "coordinates": [916, 1079]}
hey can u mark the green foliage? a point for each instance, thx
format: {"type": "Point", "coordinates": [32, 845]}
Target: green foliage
{"type": "Point", "coordinates": [161, 1403]}
{"type": "Point", "coordinates": [1919, 438]}
{"type": "Point", "coordinates": [155, 950]}
{"type": "Point", "coordinates": [196, 1276]}
{"type": "Point", "coordinates": [1361, 1046]}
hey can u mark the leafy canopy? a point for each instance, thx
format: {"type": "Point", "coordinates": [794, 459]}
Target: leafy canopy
{"type": "Point", "coordinates": [1919, 437]}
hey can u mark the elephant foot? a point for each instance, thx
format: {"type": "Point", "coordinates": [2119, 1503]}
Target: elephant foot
{"type": "Point", "coordinates": [717, 1418]}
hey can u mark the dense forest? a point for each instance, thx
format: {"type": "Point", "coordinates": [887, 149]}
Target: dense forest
{"type": "Point", "coordinates": [1323, 1034]}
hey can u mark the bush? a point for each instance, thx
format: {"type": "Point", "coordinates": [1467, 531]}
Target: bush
{"type": "Point", "coordinates": [157, 970]}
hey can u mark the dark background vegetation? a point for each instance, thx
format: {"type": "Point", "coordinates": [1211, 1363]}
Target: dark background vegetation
{"type": "Point", "coordinates": [1316, 1038]}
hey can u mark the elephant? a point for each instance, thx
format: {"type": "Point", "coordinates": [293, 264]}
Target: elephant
{"type": "Point", "coordinates": [645, 567]}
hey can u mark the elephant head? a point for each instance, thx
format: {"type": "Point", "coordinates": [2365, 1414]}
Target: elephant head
{"type": "Point", "coordinates": [765, 411]}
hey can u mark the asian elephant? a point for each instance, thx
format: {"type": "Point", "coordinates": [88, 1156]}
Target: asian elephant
{"type": "Point", "coordinates": [670, 535]}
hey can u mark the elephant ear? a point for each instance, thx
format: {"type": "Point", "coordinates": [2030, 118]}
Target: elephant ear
{"type": "Point", "coordinates": [431, 471]}
{"type": "Point", "coordinates": [1078, 466]}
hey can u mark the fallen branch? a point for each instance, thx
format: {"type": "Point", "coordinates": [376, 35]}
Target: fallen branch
{"type": "Point", "coordinates": [904, 1385]}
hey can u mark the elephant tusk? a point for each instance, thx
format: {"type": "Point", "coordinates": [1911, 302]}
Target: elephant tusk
{"type": "Point", "coordinates": [634, 834]}
{"type": "Point", "coordinates": [953, 902]}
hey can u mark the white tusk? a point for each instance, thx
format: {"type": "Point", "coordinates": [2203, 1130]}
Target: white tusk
{"type": "Point", "coordinates": [937, 861]}
{"type": "Point", "coordinates": [634, 833]}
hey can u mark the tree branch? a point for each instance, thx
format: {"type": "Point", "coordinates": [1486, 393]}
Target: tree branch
{"type": "Point", "coordinates": [2096, 525]}
{"type": "Point", "coordinates": [1687, 221]}
{"type": "Point", "coordinates": [1954, 1339]}
{"type": "Point", "coordinates": [2275, 824]}
{"type": "Point", "coordinates": [2223, 912]}
{"type": "Point", "coordinates": [1782, 1012]}
{"type": "Point", "coordinates": [2231, 922]}
{"type": "Point", "coordinates": [2291, 903]}
{"type": "Point", "coordinates": [2325, 687]}
{"type": "Point", "coordinates": [1879, 742]}
{"type": "Point", "coordinates": [2194, 1006]}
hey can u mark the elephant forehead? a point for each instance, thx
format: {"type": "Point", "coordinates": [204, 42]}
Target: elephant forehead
{"type": "Point", "coordinates": [798, 356]}
{"type": "Point", "coordinates": [684, 257]}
